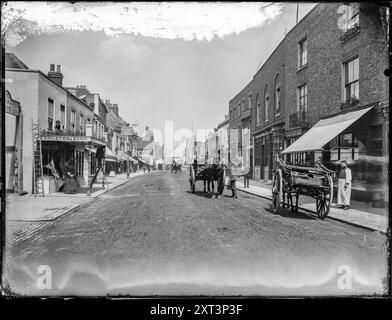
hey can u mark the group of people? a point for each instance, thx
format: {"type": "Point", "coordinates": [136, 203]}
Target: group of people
{"type": "Point", "coordinates": [65, 176]}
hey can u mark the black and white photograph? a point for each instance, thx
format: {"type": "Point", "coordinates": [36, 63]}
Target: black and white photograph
{"type": "Point", "coordinates": [195, 149]}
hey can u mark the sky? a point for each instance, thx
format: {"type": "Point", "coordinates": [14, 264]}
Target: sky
{"type": "Point", "coordinates": [176, 62]}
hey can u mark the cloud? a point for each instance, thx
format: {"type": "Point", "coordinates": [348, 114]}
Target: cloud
{"type": "Point", "coordinates": [178, 20]}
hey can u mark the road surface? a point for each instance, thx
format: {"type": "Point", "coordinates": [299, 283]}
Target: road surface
{"type": "Point", "coordinates": [153, 236]}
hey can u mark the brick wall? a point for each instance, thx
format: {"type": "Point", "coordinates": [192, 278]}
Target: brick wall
{"type": "Point", "coordinates": [324, 71]}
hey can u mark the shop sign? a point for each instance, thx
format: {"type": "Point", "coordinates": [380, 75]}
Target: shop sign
{"type": "Point", "coordinates": [126, 131]}
{"type": "Point", "coordinates": [65, 138]}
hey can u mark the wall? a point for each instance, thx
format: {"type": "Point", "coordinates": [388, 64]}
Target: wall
{"type": "Point", "coordinates": [47, 89]}
{"type": "Point", "coordinates": [73, 103]}
{"type": "Point", "coordinates": [23, 87]}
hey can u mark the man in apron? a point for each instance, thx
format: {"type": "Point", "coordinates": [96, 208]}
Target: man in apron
{"type": "Point", "coordinates": [344, 186]}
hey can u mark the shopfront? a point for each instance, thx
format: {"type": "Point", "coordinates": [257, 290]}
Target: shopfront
{"type": "Point", "coordinates": [70, 153]}
{"type": "Point", "coordinates": [263, 157]}
{"type": "Point", "coordinates": [360, 138]}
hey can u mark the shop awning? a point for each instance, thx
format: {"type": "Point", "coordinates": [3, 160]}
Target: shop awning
{"type": "Point", "coordinates": [122, 156]}
{"type": "Point", "coordinates": [142, 161]}
{"type": "Point", "coordinates": [324, 131]}
{"type": "Point", "coordinates": [109, 155]}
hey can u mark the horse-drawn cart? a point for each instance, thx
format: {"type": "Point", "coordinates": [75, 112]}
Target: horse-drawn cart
{"type": "Point", "coordinates": [292, 181]}
{"type": "Point", "coordinates": [208, 173]}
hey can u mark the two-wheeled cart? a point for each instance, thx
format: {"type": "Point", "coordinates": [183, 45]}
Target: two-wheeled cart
{"type": "Point", "coordinates": [292, 181]}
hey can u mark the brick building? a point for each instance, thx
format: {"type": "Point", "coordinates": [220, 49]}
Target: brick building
{"type": "Point", "coordinates": [240, 111]}
{"type": "Point", "coordinates": [329, 66]}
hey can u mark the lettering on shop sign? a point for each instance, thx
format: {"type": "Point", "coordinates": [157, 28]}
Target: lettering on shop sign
{"type": "Point", "coordinates": [65, 138]}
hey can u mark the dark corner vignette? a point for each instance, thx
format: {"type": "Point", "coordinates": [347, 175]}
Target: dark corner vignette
{"type": "Point", "coordinates": [152, 179]}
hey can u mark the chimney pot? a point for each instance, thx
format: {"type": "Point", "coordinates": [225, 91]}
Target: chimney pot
{"type": "Point", "coordinates": [51, 67]}
{"type": "Point", "coordinates": [58, 68]}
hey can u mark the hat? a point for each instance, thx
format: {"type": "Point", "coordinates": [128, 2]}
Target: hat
{"type": "Point", "coordinates": [343, 161]}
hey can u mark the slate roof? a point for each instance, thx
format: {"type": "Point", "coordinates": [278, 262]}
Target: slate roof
{"type": "Point", "coordinates": [12, 61]}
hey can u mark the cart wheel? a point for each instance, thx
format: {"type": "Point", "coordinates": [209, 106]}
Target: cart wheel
{"type": "Point", "coordinates": [276, 191]}
{"type": "Point", "coordinates": [192, 179]}
{"type": "Point", "coordinates": [324, 199]}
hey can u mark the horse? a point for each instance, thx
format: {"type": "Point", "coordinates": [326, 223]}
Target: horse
{"type": "Point", "coordinates": [211, 173]}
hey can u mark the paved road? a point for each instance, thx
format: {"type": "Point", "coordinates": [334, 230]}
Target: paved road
{"type": "Point", "coordinates": [152, 236]}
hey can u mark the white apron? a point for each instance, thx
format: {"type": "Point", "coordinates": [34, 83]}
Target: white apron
{"type": "Point", "coordinates": [344, 195]}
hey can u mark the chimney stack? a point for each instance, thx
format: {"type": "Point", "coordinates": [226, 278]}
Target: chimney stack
{"type": "Point", "coordinates": [56, 76]}
{"type": "Point", "coordinates": [114, 108]}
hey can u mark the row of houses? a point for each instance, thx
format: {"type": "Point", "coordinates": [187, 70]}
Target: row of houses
{"type": "Point", "coordinates": [321, 94]}
{"type": "Point", "coordinates": [75, 127]}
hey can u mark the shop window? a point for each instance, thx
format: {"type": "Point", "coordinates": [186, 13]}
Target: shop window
{"type": "Point", "coordinates": [351, 80]}
{"type": "Point", "coordinates": [376, 140]}
{"type": "Point", "coordinates": [302, 53]}
{"type": "Point", "coordinates": [345, 147]}
{"type": "Point", "coordinates": [50, 113]}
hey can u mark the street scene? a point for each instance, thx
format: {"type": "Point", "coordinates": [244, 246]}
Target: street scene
{"type": "Point", "coordinates": [179, 150]}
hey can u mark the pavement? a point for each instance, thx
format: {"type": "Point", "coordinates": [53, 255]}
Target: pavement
{"type": "Point", "coordinates": [30, 208]}
{"type": "Point", "coordinates": [152, 236]}
{"type": "Point", "coordinates": [373, 218]}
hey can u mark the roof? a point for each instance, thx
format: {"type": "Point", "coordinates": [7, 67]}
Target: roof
{"type": "Point", "coordinates": [143, 144]}
{"type": "Point", "coordinates": [12, 61]}
{"type": "Point", "coordinates": [18, 67]}
{"type": "Point", "coordinates": [221, 124]}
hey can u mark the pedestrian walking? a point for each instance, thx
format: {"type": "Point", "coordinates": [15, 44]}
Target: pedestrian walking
{"type": "Point", "coordinates": [232, 179]}
{"type": "Point", "coordinates": [247, 176]}
{"type": "Point", "coordinates": [344, 186]}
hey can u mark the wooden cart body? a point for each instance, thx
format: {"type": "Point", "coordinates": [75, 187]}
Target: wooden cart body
{"type": "Point", "coordinates": [292, 181]}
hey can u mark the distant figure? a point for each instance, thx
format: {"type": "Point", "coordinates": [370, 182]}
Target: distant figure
{"type": "Point", "coordinates": [232, 179]}
{"type": "Point", "coordinates": [144, 169]}
{"type": "Point", "coordinates": [344, 186]}
{"type": "Point", "coordinates": [247, 176]}
{"type": "Point", "coordinates": [57, 127]}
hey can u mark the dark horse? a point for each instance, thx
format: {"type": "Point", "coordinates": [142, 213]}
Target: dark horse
{"type": "Point", "coordinates": [211, 173]}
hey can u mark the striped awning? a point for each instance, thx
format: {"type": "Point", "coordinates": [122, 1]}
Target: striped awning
{"type": "Point", "coordinates": [324, 131]}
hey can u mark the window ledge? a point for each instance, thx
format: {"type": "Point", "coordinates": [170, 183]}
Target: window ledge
{"type": "Point", "coordinates": [277, 115]}
{"type": "Point", "coordinates": [302, 67]}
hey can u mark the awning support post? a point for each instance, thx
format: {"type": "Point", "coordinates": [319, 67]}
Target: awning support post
{"type": "Point", "coordinates": [104, 169]}
{"type": "Point", "coordinates": [88, 171]}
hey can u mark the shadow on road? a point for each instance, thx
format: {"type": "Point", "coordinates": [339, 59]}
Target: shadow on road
{"type": "Point", "coordinates": [286, 213]}
{"type": "Point", "coordinates": [201, 194]}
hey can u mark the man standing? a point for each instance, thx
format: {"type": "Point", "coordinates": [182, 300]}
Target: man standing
{"type": "Point", "coordinates": [233, 179]}
{"type": "Point", "coordinates": [247, 176]}
{"type": "Point", "coordinates": [344, 186]}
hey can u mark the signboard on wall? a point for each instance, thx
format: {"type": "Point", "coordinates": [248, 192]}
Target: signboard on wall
{"type": "Point", "coordinates": [65, 138]}
{"type": "Point", "coordinates": [126, 131]}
